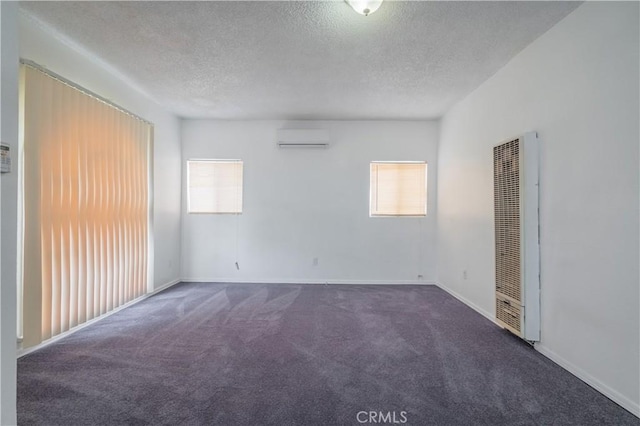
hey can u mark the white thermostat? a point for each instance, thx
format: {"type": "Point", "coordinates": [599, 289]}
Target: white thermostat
{"type": "Point", "coordinates": [5, 158]}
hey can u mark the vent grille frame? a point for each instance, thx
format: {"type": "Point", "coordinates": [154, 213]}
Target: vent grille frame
{"type": "Point", "coordinates": [517, 264]}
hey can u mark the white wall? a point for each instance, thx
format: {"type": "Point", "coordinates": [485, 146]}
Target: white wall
{"type": "Point", "coordinates": [301, 204]}
{"type": "Point", "coordinates": [8, 213]}
{"type": "Point", "coordinates": [42, 47]}
{"type": "Point", "coordinates": [577, 86]}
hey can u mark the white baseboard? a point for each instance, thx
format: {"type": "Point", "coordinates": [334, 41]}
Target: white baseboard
{"type": "Point", "coordinates": [615, 396]}
{"type": "Point", "coordinates": [309, 281]}
{"type": "Point", "coordinates": [23, 352]}
{"type": "Point", "coordinates": [164, 287]}
{"type": "Point", "coordinates": [486, 314]}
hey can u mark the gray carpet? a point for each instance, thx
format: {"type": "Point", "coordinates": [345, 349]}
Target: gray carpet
{"type": "Point", "coordinates": [213, 354]}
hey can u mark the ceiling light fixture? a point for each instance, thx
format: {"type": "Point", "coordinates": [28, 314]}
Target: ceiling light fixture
{"type": "Point", "coordinates": [364, 7]}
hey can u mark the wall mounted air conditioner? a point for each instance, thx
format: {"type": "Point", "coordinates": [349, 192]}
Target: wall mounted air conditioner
{"type": "Point", "coordinates": [515, 185]}
{"type": "Point", "coordinates": [303, 138]}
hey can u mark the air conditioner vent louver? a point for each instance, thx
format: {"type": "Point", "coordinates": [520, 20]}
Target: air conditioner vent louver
{"type": "Point", "coordinates": [303, 138]}
{"type": "Point", "coordinates": [515, 180]}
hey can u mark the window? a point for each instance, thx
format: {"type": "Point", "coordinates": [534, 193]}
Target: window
{"type": "Point", "coordinates": [214, 186]}
{"type": "Point", "coordinates": [398, 189]}
{"type": "Point", "coordinates": [86, 205]}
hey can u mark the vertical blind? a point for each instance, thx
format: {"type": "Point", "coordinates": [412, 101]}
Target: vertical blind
{"type": "Point", "coordinates": [214, 186]}
{"type": "Point", "coordinates": [86, 205]}
{"type": "Point", "coordinates": [398, 189]}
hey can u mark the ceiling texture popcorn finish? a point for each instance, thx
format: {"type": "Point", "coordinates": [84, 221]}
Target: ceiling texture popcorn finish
{"type": "Point", "coordinates": [302, 59]}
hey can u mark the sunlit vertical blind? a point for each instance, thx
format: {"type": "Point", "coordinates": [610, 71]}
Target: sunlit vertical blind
{"type": "Point", "coordinates": [398, 189]}
{"type": "Point", "coordinates": [86, 205]}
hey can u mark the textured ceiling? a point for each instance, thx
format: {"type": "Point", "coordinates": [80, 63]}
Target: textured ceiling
{"type": "Point", "coordinates": [302, 59]}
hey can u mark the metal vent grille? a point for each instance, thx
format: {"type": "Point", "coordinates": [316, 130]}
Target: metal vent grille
{"type": "Point", "coordinates": [506, 163]}
{"type": "Point", "coordinates": [509, 314]}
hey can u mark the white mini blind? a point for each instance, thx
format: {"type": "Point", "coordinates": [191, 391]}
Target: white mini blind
{"type": "Point", "coordinates": [398, 189]}
{"type": "Point", "coordinates": [86, 205]}
{"type": "Point", "coordinates": [214, 186]}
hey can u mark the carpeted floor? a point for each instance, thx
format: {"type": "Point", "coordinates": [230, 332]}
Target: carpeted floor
{"type": "Point", "coordinates": [252, 354]}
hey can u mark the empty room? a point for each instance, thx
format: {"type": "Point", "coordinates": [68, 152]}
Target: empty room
{"type": "Point", "coordinates": [320, 213]}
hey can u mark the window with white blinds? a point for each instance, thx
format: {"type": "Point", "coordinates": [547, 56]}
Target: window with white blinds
{"type": "Point", "coordinates": [398, 189]}
{"type": "Point", "coordinates": [214, 186]}
{"type": "Point", "coordinates": [86, 205]}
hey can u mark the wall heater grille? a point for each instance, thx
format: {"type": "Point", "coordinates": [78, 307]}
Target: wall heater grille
{"type": "Point", "coordinates": [509, 314]}
{"type": "Point", "coordinates": [515, 178]}
{"type": "Point", "coordinates": [506, 160]}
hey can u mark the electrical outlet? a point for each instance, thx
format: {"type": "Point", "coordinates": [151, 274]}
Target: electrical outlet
{"type": "Point", "coordinates": [315, 261]}
{"type": "Point", "coordinates": [420, 277]}
{"type": "Point", "coordinates": [464, 274]}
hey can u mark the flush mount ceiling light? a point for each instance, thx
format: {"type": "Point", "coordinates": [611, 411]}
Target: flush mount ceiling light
{"type": "Point", "coordinates": [364, 7]}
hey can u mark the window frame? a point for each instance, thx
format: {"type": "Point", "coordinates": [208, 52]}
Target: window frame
{"type": "Point", "coordinates": [215, 161]}
{"type": "Point", "coordinates": [371, 190]}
